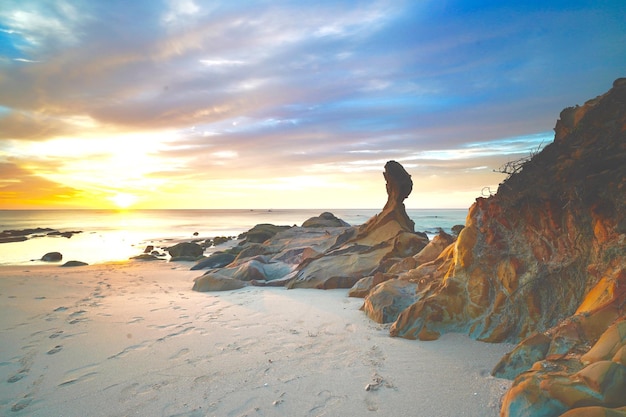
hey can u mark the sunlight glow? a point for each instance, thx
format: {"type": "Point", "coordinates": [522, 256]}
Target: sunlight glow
{"type": "Point", "coordinates": [124, 200]}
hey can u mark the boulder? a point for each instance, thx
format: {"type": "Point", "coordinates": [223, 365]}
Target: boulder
{"type": "Point", "coordinates": [262, 232]}
{"type": "Point", "coordinates": [52, 257]}
{"type": "Point", "coordinates": [146, 257]}
{"type": "Point", "coordinates": [325, 219]}
{"type": "Point", "coordinates": [215, 260]}
{"type": "Point", "coordinates": [434, 248]}
{"type": "Point", "coordinates": [188, 250]}
{"type": "Point", "coordinates": [74, 264]}
{"type": "Point", "coordinates": [216, 282]}
{"type": "Point", "coordinates": [388, 299]}
{"type": "Point", "coordinates": [363, 286]}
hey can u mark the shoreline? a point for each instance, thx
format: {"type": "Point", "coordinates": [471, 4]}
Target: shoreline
{"type": "Point", "coordinates": [126, 337]}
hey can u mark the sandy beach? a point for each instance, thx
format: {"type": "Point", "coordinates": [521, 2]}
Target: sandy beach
{"type": "Point", "coordinates": [131, 338]}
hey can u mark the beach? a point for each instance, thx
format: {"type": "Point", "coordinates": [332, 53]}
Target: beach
{"type": "Point", "coordinates": [131, 338]}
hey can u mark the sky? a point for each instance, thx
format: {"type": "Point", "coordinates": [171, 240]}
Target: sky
{"type": "Point", "coordinates": [287, 104]}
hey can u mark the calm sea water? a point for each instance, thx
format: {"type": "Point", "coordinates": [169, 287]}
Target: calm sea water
{"type": "Point", "coordinates": [110, 235]}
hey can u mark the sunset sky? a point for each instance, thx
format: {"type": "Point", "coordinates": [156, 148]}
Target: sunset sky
{"type": "Point", "coordinates": [287, 104]}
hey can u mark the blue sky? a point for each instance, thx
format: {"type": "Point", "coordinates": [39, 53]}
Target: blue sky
{"type": "Point", "coordinates": [254, 104]}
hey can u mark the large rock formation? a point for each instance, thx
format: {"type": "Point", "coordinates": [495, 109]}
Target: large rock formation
{"type": "Point", "coordinates": [388, 236]}
{"type": "Point", "coordinates": [326, 252]}
{"type": "Point", "coordinates": [543, 260]}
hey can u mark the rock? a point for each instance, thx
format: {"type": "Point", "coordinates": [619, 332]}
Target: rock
{"type": "Point", "coordinates": [216, 282]}
{"type": "Point", "coordinates": [363, 251]}
{"type": "Point", "coordinates": [185, 258]}
{"type": "Point", "coordinates": [434, 248]}
{"type": "Point", "coordinates": [262, 232]}
{"type": "Point", "coordinates": [595, 411]}
{"type": "Point", "coordinates": [215, 260]}
{"type": "Point", "coordinates": [363, 287]}
{"type": "Point", "coordinates": [74, 264]}
{"type": "Point", "coordinates": [456, 229]}
{"type": "Point", "coordinates": [218, 240]}
{"type": "Point", "coordinates": [325, 219]}
{"type": "Point", "coordinates": [189, 250]}
{"type": "Point", "coordinates": [532, 254]}
{"type": "Point", "coordinates": [148, 249]}
{"type": "Point", "coordinates": [530, 350]}
{"type": "Point", "coordinates": [388, 299]}
{"type": "Point", "coordinates": [146, 257]}
{"type": "Point", "coordinates": [52, 257]}
{"type": "Point", "coordinates": [10, 239]}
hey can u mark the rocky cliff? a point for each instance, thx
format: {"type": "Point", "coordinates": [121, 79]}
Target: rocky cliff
{"type": "Point", "coordinates": [543, 262]}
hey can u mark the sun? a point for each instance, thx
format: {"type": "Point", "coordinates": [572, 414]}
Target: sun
{"type": "Point", "coordinates": [123, 200]}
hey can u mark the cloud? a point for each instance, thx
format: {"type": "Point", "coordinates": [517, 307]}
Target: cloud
{"type": "Point", "coordinates": [21, 188]}
{"type": "Point", "coordinates": [199, 91]}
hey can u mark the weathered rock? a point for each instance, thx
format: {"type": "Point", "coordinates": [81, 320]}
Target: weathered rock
{"type": "Point", "coordinates": [434, 248]}
{"type": "Point", "coordinates": [52, 257]}
{"type": "Point", "coordinates": [262, 232]}
{"type": "Point", "coordinates": [216, 282]}
{"type": "Point", "coordinates": [595, 411]}
{"type": "Point", "coordinates": [529, 255]}
{"type": "Point", "coordinates": [325, 219]}
{"type": "Point", "coordinates": [189, 250]}
{"type": "Point", "coordinates": [365, 250]}
{"type": "Point", "coordinates": [74, 264]}
{"type": "Point", "coordinates": [215, 260]}
{"type": "Point", "coordinates": [146, 257]}
{"type": "Point", "coordinates": [388, 299]}
{"type": "Point", "coordinates": [530, 350]}
{"type": "Point", "coordinates": [363, 287]}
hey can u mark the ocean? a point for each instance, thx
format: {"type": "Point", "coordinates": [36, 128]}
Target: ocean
{"type": "Point", "coordinates": [112, 235]}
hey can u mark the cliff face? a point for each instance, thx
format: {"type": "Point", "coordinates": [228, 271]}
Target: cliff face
{"type": "Point", "coordinates": [543, 259]}
{"type": "Point", "coordinates": [531, 255]}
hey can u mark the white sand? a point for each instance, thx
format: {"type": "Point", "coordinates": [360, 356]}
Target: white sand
{"type": "Point", "coordinates": [133, 339]}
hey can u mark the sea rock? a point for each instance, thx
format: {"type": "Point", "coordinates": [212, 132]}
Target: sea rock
{"type": "Point", "coordinates": [70, 264]}
{"type": "Point", "coordinates": [331, 256]}
{"type": "Point", "coordinates": [262, 232]}
{"type": "Point", "coordinates": [218, 240]}
{"type": "Point", "coordinates": [325, 219]}
{"type": "Point", "coordinates": [146, 257]}
{"type": "Point", "coordinates": [52, 257]}
{"type": "Point", "coordinates": [363, 251]}
{"type": "Point", "coordinates": [215, 260]}
{"type": "Point", "coordinates": [215, 282]}
{"type": "Point", "coordinates": [189, 250]}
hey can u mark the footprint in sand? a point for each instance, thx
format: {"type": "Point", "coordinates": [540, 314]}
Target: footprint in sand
{"type": "Point", "coordinates": [56, 334]}
{"type": "Point", "coordinates": [21, 404]}
{"type": "Point", "coordinates": [60, 309]}
{"type": "Point", "coordinates": [54, 350]}
{"type": "Point", "coordinates": [21, 374]}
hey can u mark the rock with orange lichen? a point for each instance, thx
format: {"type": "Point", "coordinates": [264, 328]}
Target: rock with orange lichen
{"type": "Point", "coordinates": [543, 261]}
{"type": "Point", "coordinates": [552, 386]}
{"type": "Point", "coordinates": [385, 302]}
{"type": "Point", "coordinates": [595, 411]}
{"type": "Point", "coordinates": [550, 242]}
